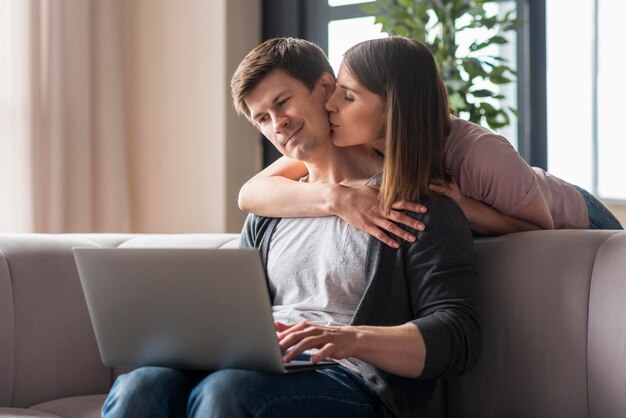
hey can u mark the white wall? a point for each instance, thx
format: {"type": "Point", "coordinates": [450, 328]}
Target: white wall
{"type": "Point", "coordinates": [189, 153]}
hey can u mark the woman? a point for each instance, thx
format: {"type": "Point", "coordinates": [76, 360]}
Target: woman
{"type": "Point", "coordinates": [497, 191]}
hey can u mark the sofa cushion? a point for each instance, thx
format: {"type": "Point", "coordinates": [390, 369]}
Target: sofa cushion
{"type": "Point", "coordinates": [25, 413]}
{"type": "Point", "coordinates": [75, 407]}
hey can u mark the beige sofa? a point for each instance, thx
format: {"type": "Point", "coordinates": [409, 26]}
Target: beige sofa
{"type": "Point", "coordinates": [553, 307]}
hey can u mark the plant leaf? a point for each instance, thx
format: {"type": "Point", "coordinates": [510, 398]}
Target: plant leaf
{"type": "Point", "coordinates": [482, 93]}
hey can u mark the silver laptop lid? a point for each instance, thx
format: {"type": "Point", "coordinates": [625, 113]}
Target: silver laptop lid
{"type": "Point", "coordinates": [202, 309]}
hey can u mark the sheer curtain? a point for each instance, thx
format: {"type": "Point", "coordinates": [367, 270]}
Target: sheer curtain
{"type": "Point", "coordinates": [15, 146]}
{"type": "Point", "coordinates": [63, 118]}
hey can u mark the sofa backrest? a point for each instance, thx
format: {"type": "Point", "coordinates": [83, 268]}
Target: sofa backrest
{"type": "Point", "coordinates": [47, 345]}
{"type": "Point", "coordinates": [535, 304]}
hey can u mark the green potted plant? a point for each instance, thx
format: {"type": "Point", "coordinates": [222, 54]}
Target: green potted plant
{"type": "Point", "coordinates": [468, 78]}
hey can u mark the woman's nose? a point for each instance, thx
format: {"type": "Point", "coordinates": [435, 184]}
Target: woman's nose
{"type": "Point", "coordinates": [330, 103]}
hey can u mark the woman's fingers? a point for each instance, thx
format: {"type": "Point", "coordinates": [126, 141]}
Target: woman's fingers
{"type": "Point", "coordinates": [410, 206]}
{"type": "Point", "coordinates": [407, 220]}
{"type": "Point", "coordinates": [381, 236]}
{"type": "Point", "coordinates": [360, 208]}
{"type": "Point", "coordinates": [437, 188]}
{"type": "Point", "coordinates": [377, 230]}
{"type": "Point", "coordinates": [388, 225]}
{"type": "Point", "coordinates": [450, 190]}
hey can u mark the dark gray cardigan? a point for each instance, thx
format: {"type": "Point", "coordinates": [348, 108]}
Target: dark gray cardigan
{"type": "Point", "coordinates": [430, 283]}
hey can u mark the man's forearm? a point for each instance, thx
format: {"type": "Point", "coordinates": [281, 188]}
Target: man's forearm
{"type": "Point", "coordinates": [399, 350]}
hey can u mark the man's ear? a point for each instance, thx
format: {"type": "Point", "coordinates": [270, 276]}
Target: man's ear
{"type": "Point", "coordinates": [328, 84]}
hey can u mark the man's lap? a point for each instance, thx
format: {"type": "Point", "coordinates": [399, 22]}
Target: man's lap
{"type": "Point", "coordinates": [230, 392]}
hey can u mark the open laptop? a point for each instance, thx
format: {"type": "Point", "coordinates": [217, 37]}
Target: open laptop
{"type": "Point", "coordinates": [203, 309]}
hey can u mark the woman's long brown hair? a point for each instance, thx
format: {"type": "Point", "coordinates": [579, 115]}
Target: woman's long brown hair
{"type": "Point", "coordinates": [404, 73]}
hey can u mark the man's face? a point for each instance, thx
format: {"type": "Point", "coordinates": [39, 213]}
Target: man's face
{"type": "Point", "coordinates": [290, 115]}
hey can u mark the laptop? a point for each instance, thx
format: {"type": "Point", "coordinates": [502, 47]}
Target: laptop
{"type": "Point", "coordinates": [187, 308]}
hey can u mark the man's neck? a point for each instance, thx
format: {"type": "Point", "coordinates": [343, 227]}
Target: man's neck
{"type": "Point", "coordinates": [347, 165]}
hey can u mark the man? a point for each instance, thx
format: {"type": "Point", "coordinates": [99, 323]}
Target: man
{"type": "Point", "coordinates": [395, 319]}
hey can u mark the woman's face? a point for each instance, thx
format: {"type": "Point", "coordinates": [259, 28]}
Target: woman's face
{"type": "Point", "coordinates": [356, 114]}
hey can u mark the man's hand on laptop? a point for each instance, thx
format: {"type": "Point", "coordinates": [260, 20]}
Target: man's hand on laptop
{"type": "Point", "coordinates": [336, 342]}
{"type": "Point", "coordinates": [280, 327]}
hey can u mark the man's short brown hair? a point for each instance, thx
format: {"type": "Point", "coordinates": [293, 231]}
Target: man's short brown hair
{"type": "Point", "coordinates": [303, 60]}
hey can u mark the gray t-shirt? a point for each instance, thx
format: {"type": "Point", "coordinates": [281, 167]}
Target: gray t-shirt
{"type": "Point", "coordinates": [316, 270]}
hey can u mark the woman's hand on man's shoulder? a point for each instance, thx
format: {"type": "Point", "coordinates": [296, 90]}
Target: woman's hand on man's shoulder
{"type": "Point", "coordinates": [359, 207]}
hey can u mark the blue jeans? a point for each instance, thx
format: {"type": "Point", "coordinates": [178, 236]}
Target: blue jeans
{"type": "Point", "coordinates": [600, 217]}
{"type": "Point", "coordinates": [161, 392]}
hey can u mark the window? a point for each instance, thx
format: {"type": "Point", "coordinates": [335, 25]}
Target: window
{"type": "Point", "coordinates": [344, 33]}
{"type": "Point", "coordinates": [508, 52]}
{"type": "Point", "coordinates": [584, 93]}
{"type": "Point", "coordinates": [348, 31]}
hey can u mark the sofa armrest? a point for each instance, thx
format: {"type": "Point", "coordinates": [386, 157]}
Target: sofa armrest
{"type": "Point", "coordinates": [607, 331]}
